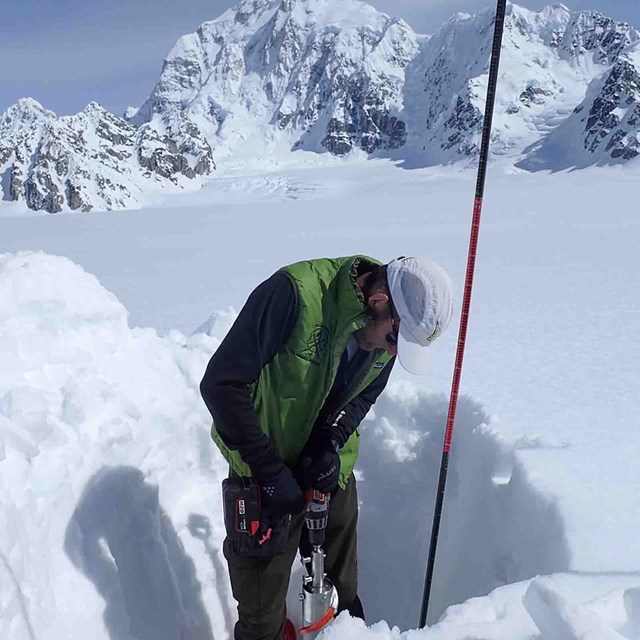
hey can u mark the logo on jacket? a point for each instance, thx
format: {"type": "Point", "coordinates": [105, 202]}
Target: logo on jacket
{"type": "Point", "coordinates": [317, 342]}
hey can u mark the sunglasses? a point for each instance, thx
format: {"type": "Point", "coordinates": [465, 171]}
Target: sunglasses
{"type": "Point", "coordinates": [392, 338]}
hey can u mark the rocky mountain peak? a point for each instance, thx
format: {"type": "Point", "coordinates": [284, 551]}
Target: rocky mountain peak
{"type": "Point", "coordinates": [549, 24]}
{"type": "Point", "coordinates": [312, 74]}
{"type": "Point", "coordinates": [337, 75]}
{"type": "Point", "coordinates": [590, 33]}
{"type": "Point", "coordinates": [26, 106]}
{"type": "Point", "coordinates": [548, 59]}
{"type": "Point", "coordinates": [603, 128]}
{"type": "Point", "coordinates": [95, 110]}
{"type": "Point", "coordinates": [92, 159]}
{"type": "Point", "coordinates": [23, 113]}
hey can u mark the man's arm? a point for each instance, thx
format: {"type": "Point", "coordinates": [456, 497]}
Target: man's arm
{"type": "Point", "coordinates": [320, 461]}
{"type": "Point", "coordinates": [349, 418]}
{"type": "Point", "coordinates": [261, 329]}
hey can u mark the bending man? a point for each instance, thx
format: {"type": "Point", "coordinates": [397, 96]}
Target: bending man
{"type": "Point", "coordinates": [310, 352]}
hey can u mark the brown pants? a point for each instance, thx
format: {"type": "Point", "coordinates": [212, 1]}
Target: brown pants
{"type": "Point", "coordinates": [260, 584]}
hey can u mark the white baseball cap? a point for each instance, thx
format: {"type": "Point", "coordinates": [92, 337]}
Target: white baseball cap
{"type": "Point", "coordinates": [422, 294]}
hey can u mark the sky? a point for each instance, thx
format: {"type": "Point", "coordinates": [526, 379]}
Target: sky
{"type": "Point", "coordinates": [68, 53]}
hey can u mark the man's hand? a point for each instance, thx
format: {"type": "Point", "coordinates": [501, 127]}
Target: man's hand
{"type": "Point", "coordinates": [281, 494]}
{"type": "Point", "coordinates": [319, 466]}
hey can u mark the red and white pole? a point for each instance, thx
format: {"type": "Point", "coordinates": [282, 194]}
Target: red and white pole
{"type": "Point", "coordinates": [466, 302]}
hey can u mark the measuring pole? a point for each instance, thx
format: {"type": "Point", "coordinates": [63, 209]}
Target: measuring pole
{"type": "Point", "coordinates": [466, 302]}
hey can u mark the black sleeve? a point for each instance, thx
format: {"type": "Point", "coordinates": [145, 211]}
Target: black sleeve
{"type": "Point", "coordinates": [347, 421]}
{"type": "Point", "coordinates": [261, 329]}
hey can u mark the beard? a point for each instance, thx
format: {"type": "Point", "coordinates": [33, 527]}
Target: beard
{"type": "Point", "coordinates": [363, 341]}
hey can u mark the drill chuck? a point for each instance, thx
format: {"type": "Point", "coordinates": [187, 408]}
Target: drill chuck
{"type": "Point", "coordinates": [317, 516]}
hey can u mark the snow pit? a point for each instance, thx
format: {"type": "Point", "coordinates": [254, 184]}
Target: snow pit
{"type": "Point", "coordinates": [110, 515]}
{"type": "Point", "coordinates": [496, 527]}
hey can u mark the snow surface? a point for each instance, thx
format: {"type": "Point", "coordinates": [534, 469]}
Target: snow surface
{"type": "Point", "coordinates": [110, 521]}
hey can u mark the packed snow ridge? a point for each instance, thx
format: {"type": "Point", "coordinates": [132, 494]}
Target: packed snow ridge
{"type": "Point", "coordinates": [110, 514]}
{"type": "Point", "coordinates": [339, 77]}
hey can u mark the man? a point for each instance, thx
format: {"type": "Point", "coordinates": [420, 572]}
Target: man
{"type": "Point", "coordinates": [309, 354]}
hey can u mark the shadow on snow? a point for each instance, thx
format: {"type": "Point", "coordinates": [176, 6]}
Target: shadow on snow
{"type": "Point", "coordinates": [120, 538]}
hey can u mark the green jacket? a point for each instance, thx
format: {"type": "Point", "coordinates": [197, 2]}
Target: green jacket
{"type": "Point", "coordinates": [290, 394]}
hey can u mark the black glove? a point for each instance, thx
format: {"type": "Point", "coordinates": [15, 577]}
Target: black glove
{"type": "Point", "coordinates": [281, 494]}
{"type": "Point", "coordinates": [319, 466]}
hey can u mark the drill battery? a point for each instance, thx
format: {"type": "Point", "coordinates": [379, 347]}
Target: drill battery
{"type": "Point", "coordinates": [249, 532]}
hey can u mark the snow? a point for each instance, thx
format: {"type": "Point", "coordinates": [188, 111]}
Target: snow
{"type": "Point", "coordinates": [109, 484]}
{"type": "Point", "coordinates": [556, 617]}
{"type": "Point", "coordinates": [80, 479]}
{"type": "Point", "coordinates": [508, 613]}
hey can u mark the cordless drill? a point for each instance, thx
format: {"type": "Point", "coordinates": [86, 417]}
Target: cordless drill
{"type": "Point", "coordinates": [319, 597]}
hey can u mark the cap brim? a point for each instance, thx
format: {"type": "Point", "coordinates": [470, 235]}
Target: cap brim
{"type": "Point", "coordinates": [413, 357]}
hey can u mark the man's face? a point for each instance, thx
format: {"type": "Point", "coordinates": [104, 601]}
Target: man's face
{"type": "Point", "coordinates": [383, 333]}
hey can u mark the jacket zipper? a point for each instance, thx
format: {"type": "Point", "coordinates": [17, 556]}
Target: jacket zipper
{"type": "Point", "coordinates": [345, 398]}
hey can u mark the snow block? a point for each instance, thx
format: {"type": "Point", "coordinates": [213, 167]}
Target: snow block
{"type": "Point", "coordinates": [559, 619]}
{"type": "Point", "coordinates": [632, 606]}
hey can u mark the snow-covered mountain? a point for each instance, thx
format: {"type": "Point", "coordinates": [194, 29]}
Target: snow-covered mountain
{"type": "Point", "coordinates": [337, 76]}
{"type": "Point", "coordinates": [318, 74]}
{"type": "Point", "coordinates": [328, 75]}
{"type": "Point", "coordinates": [603, 128]}
{"type": "Point", "coordinates": [548, 58]}
{"type": "Point", "coordinates": [92, 159]}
